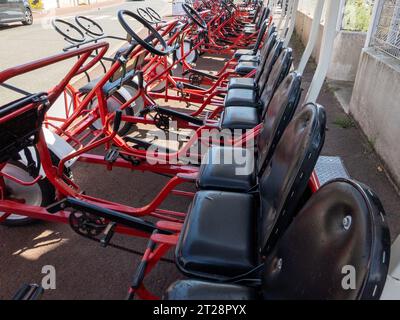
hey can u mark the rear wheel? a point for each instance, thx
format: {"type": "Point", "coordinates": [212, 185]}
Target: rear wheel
{"type": "Point", "coordinates": [40, 194]}
{"type": "Point", "coordinates": [28, 17]}
{"type": "Point", "coordinates": [115, 102]}
{"type": "Point", "coordinates": [187, 47]}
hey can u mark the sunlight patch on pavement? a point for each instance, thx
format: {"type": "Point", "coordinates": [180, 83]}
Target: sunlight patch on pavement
{"type": "Point", "coordinates": [44, 243]}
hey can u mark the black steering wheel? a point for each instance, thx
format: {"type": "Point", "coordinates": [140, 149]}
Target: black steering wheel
{"type": "Point", "coordinates": [90, 26]}
{"type": "Point", "coordinates": [156, 17]}
{"type": "Point", "coordinates": [68, 30]}
{"type": "Point", "coordinates": [146, 43]}
{"type": "Point", "coordinates": [194, 16]}
{"type": "Point", "coordinates": [145, 15]}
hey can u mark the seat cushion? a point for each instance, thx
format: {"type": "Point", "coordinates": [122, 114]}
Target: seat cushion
{"type": "Point", "coordinates": [250, 58]}
{"type": "Point", "coordinates": [249, 30]}
{"type": "Point", "coordinates": [241, 97]}
{"type": "Point", "coordinates": [217, 240]}
{"type": "Point", "coordinates": [241, 52]}
{"type": "Point", "coordinates": [109, 86]}
{"type": "Point", "coordinates": [239, 118]}
{"type": "Point", "coordinates": [242, 83]}
{"type": "Point", "coordinates": [245, 67]}
{"type": "Point", "coordinates": [227, 168]}
{"type": "Point", "coordinates": [202, 290]}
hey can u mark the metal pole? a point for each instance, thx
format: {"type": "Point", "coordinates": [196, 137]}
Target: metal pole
{"type": "Point", "coordinates": [312, 39]}
{"type": "Point", "coordinates": [283, 6]}
{"type": "Point", "coordinates": [325, 57]}
{"type": "Point", "coordinates": [292, 22]}
{"type": "Point", "coordinates": [376, 12]}
{"type": "Point", "coordinates": [341, 15]}
{"type": "Point", "coordinates": [273, 6]}
{"type": "Point", "coordinates": [287, 18]}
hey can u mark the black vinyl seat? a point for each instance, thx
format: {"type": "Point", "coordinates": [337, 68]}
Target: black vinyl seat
{"type": "Point", "coordinates": [232, 247]}
{"type": "Point", "coordinates": [253, 83]}
{"type": "Point", "coordinates": [342, 224]}
{"type": "Point", "coordinates": [239, 118]}
{"type": "Point", "coordinates": [257, 56]}
{"type": "Point", "coordinates": [227, 168]}
{"type": "Point", "coordinates": [251, 28]}
{"type": "Point", "coordinates": [215, 174]}
{"type": "Point", "coordinates": [271, 80]}
{"type": "Point", "coordinates": [221, 226]}
{"type": "Point", "coordinates": [108, 86]}
{"type": "Point", "coordinates": [254, 49]}
{"type": "Point", "coordinates": [249, 117]}
{"type": "Point", "coordinates": [245, 67]}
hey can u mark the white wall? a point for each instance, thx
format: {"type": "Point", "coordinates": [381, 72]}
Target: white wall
{"type": "Point", "coordinates": [375, 105]}
{"type": "Point", "coordinates": [347, 48]}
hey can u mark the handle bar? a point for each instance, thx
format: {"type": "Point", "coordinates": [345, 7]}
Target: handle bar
{"type": "Point", "coordinates": [78, 68]}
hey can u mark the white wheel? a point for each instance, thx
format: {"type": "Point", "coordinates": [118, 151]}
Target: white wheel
{"type": "Point", "coordinates": [39, 194]}
{"type": "Point", "coordinates": [115, 102]}
{"type": "Point", "coordinates": [187, 47]}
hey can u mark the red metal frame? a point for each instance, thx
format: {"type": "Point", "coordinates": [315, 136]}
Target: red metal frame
{"type": "Point", "coordinates": [169, 220]}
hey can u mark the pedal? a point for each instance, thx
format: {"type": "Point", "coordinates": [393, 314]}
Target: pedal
{"type": "Point", "coordinates": [111, 155]}
{"type": "Point", "coordinates": [108, 233]}
{"type": "Point", "coordinates": [139, 143]}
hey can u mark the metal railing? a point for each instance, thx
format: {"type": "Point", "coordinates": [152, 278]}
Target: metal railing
{"type": "Point", "coordinates": [385, 35]}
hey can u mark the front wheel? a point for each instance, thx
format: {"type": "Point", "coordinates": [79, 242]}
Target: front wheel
{"type": "Point", "coordinates": [28, 17]}
{"type": "Point", "coordinates": [40, 194]}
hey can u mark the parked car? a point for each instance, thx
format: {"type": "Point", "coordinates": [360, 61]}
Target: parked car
{"type": "Point", "coordinates": [15, 10]}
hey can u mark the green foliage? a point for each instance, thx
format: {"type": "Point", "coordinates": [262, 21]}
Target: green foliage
{"type": "Point", "coordinates": [357, 15]}
{"type": "Point", "coordinates": [344, 122]}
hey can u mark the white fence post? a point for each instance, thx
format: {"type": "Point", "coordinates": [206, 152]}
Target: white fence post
{"type": "Point", "coordinates": [292, 22]}
{"type": "Point", "coordinates": [376, 12]}
{"type": "Point", "coordinates": [313, 36]}
{"type": "Point", "coordinates": [325, 56]}
{"type": "Point", "coordinates": [287, 18]}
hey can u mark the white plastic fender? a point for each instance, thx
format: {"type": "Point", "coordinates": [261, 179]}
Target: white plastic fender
{"type": "Point", "coordinates": [57, 145]}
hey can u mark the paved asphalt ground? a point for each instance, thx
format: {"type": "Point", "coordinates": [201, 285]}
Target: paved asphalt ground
{"type": "Point", "coordinates": [20, 44]}
{"type": "Point", "coordinates": [87, 271]}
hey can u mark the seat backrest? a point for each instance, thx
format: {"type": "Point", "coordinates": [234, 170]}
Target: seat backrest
{"type": "Point", "coordinates": [265, 51]}
{"type": "Point", "coordinates": [263, 17]}
{"type": "Point", "coordinates": [260, 36]}
{"type": "Point", "coordinates": [286, 176]}
{"type": "Point", "coordinates": [272, 29]}
{"type": "Point", "coordinates": [338, 247]}
{"type": "Point", "coordinates": [278, 72]}
{"type": "Point", "coordinates": [258, 10]}
{"type": "Point", "coordinates": [269, 63]}
{"type": "Point", "coordinates": [279, 113]}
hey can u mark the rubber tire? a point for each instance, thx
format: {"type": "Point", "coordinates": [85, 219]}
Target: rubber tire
{"type": "Point", "coordinates": [25, 22]}
{"type": "Point", "coordinates": [48, 197]}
